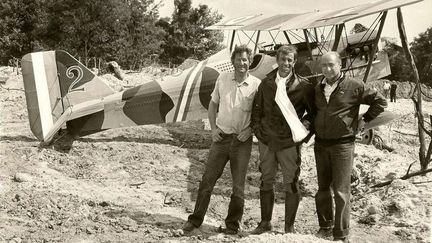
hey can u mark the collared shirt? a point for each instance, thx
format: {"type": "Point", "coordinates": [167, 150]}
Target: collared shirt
{"type": "Point", "coordinates": [329, 88]}
{"type": "Point", "coordinates": [235, 102]}
{"type": "Point", "coordinates": [386, 86]}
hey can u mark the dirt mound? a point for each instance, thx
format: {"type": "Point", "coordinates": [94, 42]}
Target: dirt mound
{"type": "Point", "coordinates": [131, 79]}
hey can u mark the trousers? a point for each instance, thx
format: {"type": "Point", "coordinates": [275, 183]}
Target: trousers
{"type": "Point", "coordinates": [238, 153]}
{"type": "Point", "coordinates": [334, 162]}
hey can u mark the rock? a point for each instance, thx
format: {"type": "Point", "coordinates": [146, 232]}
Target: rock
{"type": "Point", "coordinates": [104, 204]}
{"type": "Point", "coordinates": [370, 219]}
{"type": "Point", "coordinates": [89, 230]}
{"type": "Point", "coordinates": [374, 210]}
{"type": "Point", "coordinates": [177, 233]}
{"type": "Point", "coordinates": [391, 176]}
{"type": "Point", "coordinates": [22, 177]}
{"type": "Point", "coordinates": [15, 240]}
{"type": "Point", "coordinates": [115, 68]}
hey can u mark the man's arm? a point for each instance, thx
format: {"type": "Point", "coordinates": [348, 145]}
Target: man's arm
{"type": "Point", "coordinates": [257, 112]}
{"type": "Point", "coordinates": [377, 103]}
{"type": "Point", "coordinates": [212, 112]}
{"type": "Point", "coordinates": [309, 101]}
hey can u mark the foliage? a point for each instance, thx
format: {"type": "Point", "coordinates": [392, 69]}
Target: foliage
{"type": "Point", "coordinates": [121, 30]}
{"type": "Point", "coordinates": [421, 48]}
{"type": "Point", "coordinates": [186, 36]}
{"type": "Point", "coordinates": [20, 21]}
{"type": "Point", "coordinates": [400, 68]}
{"type": "Point", "coordinates": [358, 28]}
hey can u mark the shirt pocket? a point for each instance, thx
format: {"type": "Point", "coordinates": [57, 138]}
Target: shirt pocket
{"type": "Point", "coordinates": [246, 103]}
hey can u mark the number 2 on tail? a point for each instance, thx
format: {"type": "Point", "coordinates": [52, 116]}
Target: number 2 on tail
{"type": "Point", "coordinates": [78, 77]}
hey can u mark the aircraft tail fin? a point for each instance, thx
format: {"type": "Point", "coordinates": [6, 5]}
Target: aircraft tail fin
{"type": "Point", "coordinates": [54, 82]}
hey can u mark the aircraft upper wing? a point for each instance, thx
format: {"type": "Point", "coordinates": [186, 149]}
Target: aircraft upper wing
{"type": "Point", "coordinates": [310, 19]}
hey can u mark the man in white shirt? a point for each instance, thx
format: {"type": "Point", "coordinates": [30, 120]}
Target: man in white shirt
{"type": "Point", "coordinates": [232, 141]}
{"type": "Point", "coordinates": [386, 88]}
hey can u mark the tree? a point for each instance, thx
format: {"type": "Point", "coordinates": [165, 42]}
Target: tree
{"type": "Point", "coordinates": [120, 30]}
{"type": "Point", "coordinates": [186, 36]}
{"type": "Point", "coordinates": [358, 28]}
{"type": "Point", "coordinates": [400, 68]}
{"type": "Point", "coordinates": [20, 24]}
{"type": "Point", "coordinates": [421, 47]}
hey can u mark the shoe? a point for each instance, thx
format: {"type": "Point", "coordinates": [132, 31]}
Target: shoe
{"type": "Point", "coordinates": [343, 239]}
{"type": "Point", "coordinates": [227, 231]}
{"type": "Point", "coordinates": [264, 226]}
{"type": "Point", "coordinates": [188, 227]}
{"type": "Point", "coordinates": [266, 203]}
{"type": "Point", "coordinates": [324, 232]}
{"type": "Point", "coordinates": [290, 229]}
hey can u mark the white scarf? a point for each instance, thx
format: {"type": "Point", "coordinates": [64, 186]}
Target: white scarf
{"type": "Point", "coordinates": [299, 132]}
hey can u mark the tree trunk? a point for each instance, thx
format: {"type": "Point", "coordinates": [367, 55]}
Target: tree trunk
{"type": "Point", "coordinates": [422, 151]}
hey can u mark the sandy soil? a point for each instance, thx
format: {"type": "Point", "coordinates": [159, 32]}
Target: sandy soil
{"type": "Point", "coordinates": [139, 184]}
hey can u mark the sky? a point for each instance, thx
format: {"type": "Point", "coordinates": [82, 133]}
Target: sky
{"type": "Point", "coordinates": [417, 17]}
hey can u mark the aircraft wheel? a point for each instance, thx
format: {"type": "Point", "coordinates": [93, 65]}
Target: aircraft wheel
{"type": "Point", "coordinates": [367, 137]}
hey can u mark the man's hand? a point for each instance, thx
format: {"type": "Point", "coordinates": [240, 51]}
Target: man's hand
{"type": "Point", "coordinates": [245, 134]}
{"type": "Point", "coordinates": [306, 124]}
{"type": "Point", "coordinates": [216, 137]}
{"type": "Point", "coordinates": [361, 126]}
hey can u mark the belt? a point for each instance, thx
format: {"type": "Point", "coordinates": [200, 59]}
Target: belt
{"type": "Point", "coordinates": [335, 141]}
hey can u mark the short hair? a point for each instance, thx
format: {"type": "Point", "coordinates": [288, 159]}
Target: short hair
{"type": "Point", "coordinates": [336, 54]}
{"type": "Point", "coordinates": [238, 49]}
{"type": "Point", "coordinates": [285, 49]}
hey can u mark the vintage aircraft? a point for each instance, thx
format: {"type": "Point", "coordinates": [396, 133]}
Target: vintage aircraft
{"type": "Point", "coordinates": [60, 90]}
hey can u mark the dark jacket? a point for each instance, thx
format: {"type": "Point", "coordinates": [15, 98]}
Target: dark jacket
{"type": "Point", "coordinates": [339, 118]}
{"type": "Point", "coordinates": [267, 120]}
{"type": "Point", "coordinates": [393, 88]}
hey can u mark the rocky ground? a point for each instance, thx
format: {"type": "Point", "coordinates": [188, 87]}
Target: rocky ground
{"type": "Point", "coordinates": [139, 184]}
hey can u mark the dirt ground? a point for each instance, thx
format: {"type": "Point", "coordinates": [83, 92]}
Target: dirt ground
{"type": "Point", "coordinates": [139, 184]}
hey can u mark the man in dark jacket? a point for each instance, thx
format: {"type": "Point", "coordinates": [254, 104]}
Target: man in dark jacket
{"type": "Point", "coordinates": [337, 101]}
{"type": "Point", "coordinates": [282, 98]}
{"type": "Point", "coordinates": [393, 88]}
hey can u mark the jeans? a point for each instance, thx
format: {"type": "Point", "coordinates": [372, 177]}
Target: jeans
{"type": "Point", "coordinates": [238, 153]}
{"type": "Point", "coordinates": [334, 162]}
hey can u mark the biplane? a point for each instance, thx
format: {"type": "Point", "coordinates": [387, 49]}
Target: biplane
{"type": "Point", "coordinates": [61, 91]}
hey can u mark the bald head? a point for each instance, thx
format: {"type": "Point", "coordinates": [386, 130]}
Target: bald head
{"type": "Point", "coordinates": [331, 65]}
{"type": "Point", "coordinates": [331, 55]}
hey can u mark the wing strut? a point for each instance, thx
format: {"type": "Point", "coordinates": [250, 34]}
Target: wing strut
{"type": "Point", "coordinates": [375, 46]}
{"type": "Point", "coordinates": [338, 34]}
{"type": "Point", "coordinates": [305, 32]}
{"type": "Point", "coordinates": [256, 42]}
{"type": "Point", "coordinates": [287, 37]}
{"type": "Point", "coordinates": [232, 40]}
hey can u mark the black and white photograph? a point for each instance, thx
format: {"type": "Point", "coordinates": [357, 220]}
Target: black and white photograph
{"type": "Point", "coordinates": [300, 121]}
